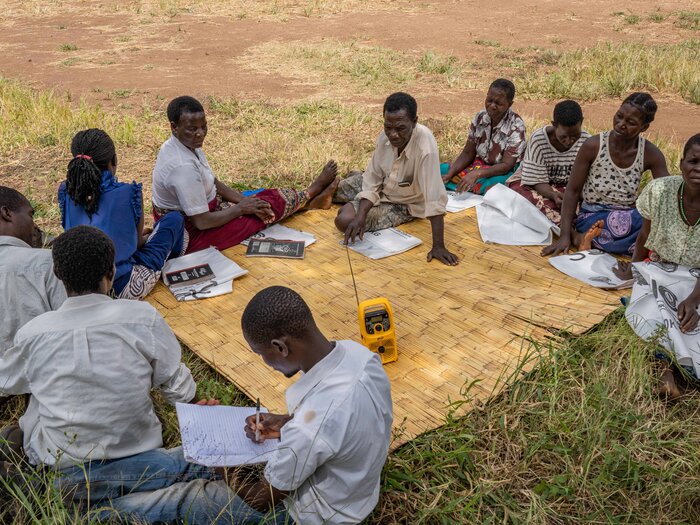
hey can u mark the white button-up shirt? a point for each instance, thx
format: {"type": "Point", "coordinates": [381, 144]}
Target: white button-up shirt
{"type": "Point", "coordinates": [332, 452]}
{"type": "Point", "coordinates": [28, 287]}
{"type": "Point", "coordinates": [90, 366]}
{"type": "Point", "coordinates": [182, 179]}
{"type": "Point", "coordinates": [412, 178]}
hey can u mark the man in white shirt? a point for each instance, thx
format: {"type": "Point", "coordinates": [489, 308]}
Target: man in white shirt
{"type": "Point", "coordinates": [89, 367]}
{"type": "Point", "coordinates": [334, 440]}
{"type": "Point", "coordinates": [402, 181]}
{"type": "Point", "coordinates": [28, 286]}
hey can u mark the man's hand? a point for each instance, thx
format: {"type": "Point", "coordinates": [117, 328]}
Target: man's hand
{"type": "Point", "coordinates": [355, 229]}
{"type": "Point", "coordinates": [623, 270]}
{"type": "Point", "coordinates": [467, 181]}
{"type": "Point", "coordinates": [561, 245]}
{"type": "Point", "coordinates": [269, 426]}
{"type": "Point", "coordinates": [253, 205]}
{"type": "Point", "coordinates": [688, 314]}
{"type": "Point", "coordinates": [441, 254]}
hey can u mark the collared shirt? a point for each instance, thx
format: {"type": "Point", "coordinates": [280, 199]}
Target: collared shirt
{"type": "Point", "coordinates": [507, 137]}
{"type": "Point", "coordinates": [332, 452]}
{"type": "Point", "coordinates": [90, 366]}
{"type": "Point", "coordinates": [412, 178]}
{"type": "Point", "coordinates": [182, 179]}
{"type": "Point", "coordinates": [28, 287]}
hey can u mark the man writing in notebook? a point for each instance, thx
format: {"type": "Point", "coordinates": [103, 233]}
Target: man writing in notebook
{"type": "Point", "coordinates": [333, 441]}
{"type": "Point", "coordinates": [402, 181]}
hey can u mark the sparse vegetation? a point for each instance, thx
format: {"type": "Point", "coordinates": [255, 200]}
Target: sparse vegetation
{"type": "Point", "coordinates": [68, 47]}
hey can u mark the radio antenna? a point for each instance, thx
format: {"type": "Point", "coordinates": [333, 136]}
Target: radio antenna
{"type": "Point", "coordinates": [354, 284]}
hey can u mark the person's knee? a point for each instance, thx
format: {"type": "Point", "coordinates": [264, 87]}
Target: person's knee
{"type": "Point", "coordinates": [342, 221]}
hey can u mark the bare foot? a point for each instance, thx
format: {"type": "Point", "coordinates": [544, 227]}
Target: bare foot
{"type": "Point", "coordinates": [668, 388]}
{"type": "Point", "coordinates": [585, 241]}
{"type": "Point", "coordinates": [325, 179]}
{"type": "Point", "coordinates": [323, 200]}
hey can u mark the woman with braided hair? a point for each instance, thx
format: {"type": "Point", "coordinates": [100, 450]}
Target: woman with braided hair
{"type": "Point", "coordinates": [92, 195]}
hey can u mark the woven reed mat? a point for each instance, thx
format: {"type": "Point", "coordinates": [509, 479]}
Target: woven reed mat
{"type": "Point", "coordinates": [454, 325]}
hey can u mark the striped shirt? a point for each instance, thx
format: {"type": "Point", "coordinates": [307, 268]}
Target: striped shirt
{"type": "Point", "coordinates": [543, 164]}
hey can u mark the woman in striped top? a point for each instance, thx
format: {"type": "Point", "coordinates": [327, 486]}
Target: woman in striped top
{"type": "Point", "coordinates": [549, 158]}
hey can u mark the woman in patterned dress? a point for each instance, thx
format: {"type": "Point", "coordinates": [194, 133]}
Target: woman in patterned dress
{"type": "Point", "coordinates": [495, 145]}
{"type": "Point", "coordinates": [606, 177]}
{"type": "Point", "coordinates": [666, 261]}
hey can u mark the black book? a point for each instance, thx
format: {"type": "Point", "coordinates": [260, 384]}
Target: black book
{"type": "Point", "coordinates": [275, 248]}
{"type": "Point", "coordinates": [189, 276]}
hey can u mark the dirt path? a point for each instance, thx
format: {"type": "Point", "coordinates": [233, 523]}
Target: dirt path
{"type": "Point", "coordinates": [125, 56]}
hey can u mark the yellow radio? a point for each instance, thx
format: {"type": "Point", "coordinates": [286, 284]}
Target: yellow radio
{"type": "Point", "coordinates": [377, 328]}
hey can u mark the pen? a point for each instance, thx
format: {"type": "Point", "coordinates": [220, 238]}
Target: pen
{"type": "Point", "coordinates": [257, 420]}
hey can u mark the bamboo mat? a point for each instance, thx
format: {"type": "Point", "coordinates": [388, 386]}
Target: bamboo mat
{"type": "Point", "coordinates": [454, 325]}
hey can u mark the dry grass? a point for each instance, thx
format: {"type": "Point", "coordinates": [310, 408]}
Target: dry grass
{"type": "Point", "coordinates": [351, 68]}
{"type": "Point", "coordinates": [239, 9]}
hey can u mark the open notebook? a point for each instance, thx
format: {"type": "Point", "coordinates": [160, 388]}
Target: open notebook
{"type": "Point", "coordinates": [213, 436]}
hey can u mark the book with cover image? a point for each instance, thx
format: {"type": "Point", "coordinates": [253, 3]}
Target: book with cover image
{"type": "Point", "coordinates": [189, 276]}
{"type": "Point", "coordinates": [275, 248]}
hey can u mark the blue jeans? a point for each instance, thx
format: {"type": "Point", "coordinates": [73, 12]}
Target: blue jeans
{"type": "Point", "coordinates": [158, 486]}
{"type": "Point", "coordinates": [198, 502]}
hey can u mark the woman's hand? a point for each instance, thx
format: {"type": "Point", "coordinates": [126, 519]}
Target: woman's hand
{"type": "Point", "coordinates": [688, 314]}
{"type": "Point", "coordinates": [561, 245]}
{"type": "Point", "coordinates": [623, 270]}
{"type": "Point", "coordinates": [255, 206]}
{"type": "Point", "coordinates": [468, 181]}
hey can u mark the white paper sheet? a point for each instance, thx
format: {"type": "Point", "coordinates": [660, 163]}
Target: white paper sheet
{"type": "Point", "coordinates": [506, 217]}
{"type": "Point", "coordinates": [225, 270]}
{"type": "Point", "coordinates": [384, 243]}
{"type": "Point", "coordinates": [282, 233]}
{"type": "Point", "coordinates": [213, 436]}
{"type": "Point", "coordinates": [592, 267]}
{"type": "Point", "coordinates": [457, 202]}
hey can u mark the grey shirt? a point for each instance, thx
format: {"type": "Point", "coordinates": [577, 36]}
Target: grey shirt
{"type": "Point", "coordinates": [28, 287]}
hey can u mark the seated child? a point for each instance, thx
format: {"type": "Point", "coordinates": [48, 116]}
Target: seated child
{"type": "Point", "coordinates": [670, 238]}
{"type": "Point", "coordinates": [216, 215]}
{"type": "Point", "coordinates": [92, 195]}
{"type": "Point", "coordinates": [606, 176]}
{"type": "Point", "coordinates": [549, 157]}
{"type": "Point", "coordinates": [90, 367]}
{"type": "Point", "coordinates": [401, 182]}
{"type": "Point", "coordinates": [494, 147]}
{"type": "Point", "coordinates": [334, 439]}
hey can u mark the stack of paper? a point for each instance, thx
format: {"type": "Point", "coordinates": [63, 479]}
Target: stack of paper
{"type": "Point", "coordinates": [282, 233]}
{"type": "Point", "coordinates": [383, 243]}
{"type": "Point", "coordinates": [506, 217]}
{"type": "Point", "coordinates": [462, 201]}
{"type": "Point", "coordinates": [592, 267]}
{"type": "Point", "coordinates": [214, 436]}
{"type": "Point", "coordinates": [221, 282]}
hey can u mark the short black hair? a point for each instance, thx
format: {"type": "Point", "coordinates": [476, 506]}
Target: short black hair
{"type": "Point", "coordinates": [643, 102]}
{"type": "Point", "coordinates": [692, 141]}
{"type": "Point", "coordinates": [506, 86]}
{"type": "Point", "coordinates": [11, 199]}
{"type": "Point", "coordinates": [276, 312]}
{"type": "Point", "coordinates": [567, 113]}
{"type": "Point", "coordinates": [184, 104]}
{"type": "Point", "coordinates": [82, 256]}
{"type": "Point", "coordinates": [398, 101]}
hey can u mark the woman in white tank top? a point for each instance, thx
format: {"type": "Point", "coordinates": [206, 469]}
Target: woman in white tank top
{"type": "Point", "coordinates": [605, 180]}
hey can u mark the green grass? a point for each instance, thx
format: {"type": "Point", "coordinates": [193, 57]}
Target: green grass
{"type": "Point", "coordinates": [68, 47]}
{"type": "Point", "coordinates": [614, 70]}
{"type": "Point", "coordinates": [688, 20]}
{"type": "Point", "coordinates": [579, 439]}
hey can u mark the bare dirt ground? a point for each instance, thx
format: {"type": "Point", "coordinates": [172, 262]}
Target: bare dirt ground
{"type": "Point", "coordinates": [125, 54]}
